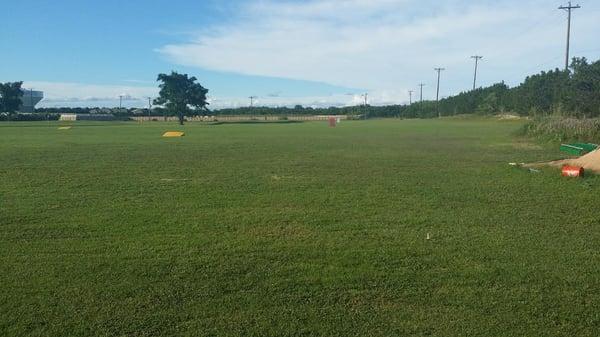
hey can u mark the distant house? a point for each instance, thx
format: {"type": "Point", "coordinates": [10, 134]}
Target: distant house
{"type": "Point", "coordinates": [29, 99]}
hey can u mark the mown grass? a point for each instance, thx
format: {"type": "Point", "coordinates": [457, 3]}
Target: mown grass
{"type": "Point", "coordinates": [293, 230]}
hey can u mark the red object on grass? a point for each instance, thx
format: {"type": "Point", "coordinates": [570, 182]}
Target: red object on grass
{"type": "Point", "coordinates": [573, 171]}
{"type": "Point", "coordinates": [332, 122]}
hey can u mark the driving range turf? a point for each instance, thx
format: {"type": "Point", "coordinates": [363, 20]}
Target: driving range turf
{"type": "Point", "coordinates": [108, 229]}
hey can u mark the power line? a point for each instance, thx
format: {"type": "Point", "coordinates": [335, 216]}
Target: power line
{"type": "Point", "coordinates": [437, 96]}
{"type": "Point", "coordinates": [569, 9]}
{"type": "Point", "coordinates": [550, 19]}
{"type": "Point", "coordinates": [477, 58]}
{"type": "Point", "coordinates": [546, 19]}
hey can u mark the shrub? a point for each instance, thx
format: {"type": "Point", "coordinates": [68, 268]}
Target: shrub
{"type": "Point", "coordinates": [564, 129]}
{"type": "Point", "coordinates": [28, 117]}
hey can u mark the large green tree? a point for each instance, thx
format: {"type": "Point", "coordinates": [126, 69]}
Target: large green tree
{"type": "Point", "coordinates": [10, 96]}
{"type": "Point", "coordinates": [179, 92]}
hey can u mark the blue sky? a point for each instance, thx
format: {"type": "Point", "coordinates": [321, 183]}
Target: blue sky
{"type": "Point", "coordinates": [326, 52]}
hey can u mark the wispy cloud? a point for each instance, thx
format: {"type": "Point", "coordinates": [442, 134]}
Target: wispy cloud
{"type": "Point", "coordinates": [74, 94]}
{"type": "Point", "coordinates": [384, 45]}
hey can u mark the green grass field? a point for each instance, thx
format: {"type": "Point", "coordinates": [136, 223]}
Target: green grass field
{"type": "Point", "coordinates": [293, 230]}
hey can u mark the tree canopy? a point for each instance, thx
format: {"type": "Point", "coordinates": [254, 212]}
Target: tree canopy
{"type": "Point", "coordinates": [179, 92]}
{"type": "Point", "coordinates": [10, 96]}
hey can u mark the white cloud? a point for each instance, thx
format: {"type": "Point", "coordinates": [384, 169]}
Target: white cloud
{"type": "Point", "coordinates": [57, 94]}
{"type": "Point", "coordinates": [384, 45]}
{"type": "Point", "coordinates": [337, 100]}
{"type": "Point", "coordinates": [65, 90]}
{"type": "Point", "coordinates": [79, 94]}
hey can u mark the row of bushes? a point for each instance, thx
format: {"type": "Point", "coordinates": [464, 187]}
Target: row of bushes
{"type": "Point", "coordinates": [561, 129]}
{"type": "Point", "coordinates": [37, 117]}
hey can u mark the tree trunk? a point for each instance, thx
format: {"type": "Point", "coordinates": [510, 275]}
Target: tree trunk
{"type": "Point", "coordinates": [181, 118]}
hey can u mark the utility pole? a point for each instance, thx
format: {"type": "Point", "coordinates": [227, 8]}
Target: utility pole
{"type": "Point", "coordinates": [477, 58]}
{"type": "Point", "coordinates": [410, 92]}
{"type": "Point", "coordinates": [252, 98]}
{"type": "Point", "coordinates": [437, 96]}
{"type": "Point", "coordinates": [569, 9]}
{"type": "Point", "coordinates": [120, 102]}
{"type": "Point", "coordinates": [365, 96]}
{"type": "Point", "coordinates": [421, 85]}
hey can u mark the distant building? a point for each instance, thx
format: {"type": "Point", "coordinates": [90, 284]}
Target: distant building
{"type": "Point", "coordinates": [87, 117]}
{"type": "Point", "coordinates": [29, 99]}
{"type": "Point", "coordinates": [68, 117]}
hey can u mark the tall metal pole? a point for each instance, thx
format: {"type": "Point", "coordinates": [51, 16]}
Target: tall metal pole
{"type": "Point", "coordinates": [252, 100]}
{"type": "Point", "coordinates": [477, 58]}
{"type": "Point", "coordinates": [437, 96]}
{"type": "Point", "coordinates": [410, 92]}
{"type": "Point", "coordinates": [120, 102]}
{"type": "Point", "coordinates": [149, 107]}
{"type": "Point", "coordinates": [569, 9]}
{"type": "Point", "coordinates": [31, 98]}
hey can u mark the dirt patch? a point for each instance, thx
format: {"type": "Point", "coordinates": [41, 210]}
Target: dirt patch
{"type": "Point", "coordinates": [520, 146]}
{"type": "Point", "coordinates": [590, 162]}
{"type": "Point", "coordinates": [508, 117]}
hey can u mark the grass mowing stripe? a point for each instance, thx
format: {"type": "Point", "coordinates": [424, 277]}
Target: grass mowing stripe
{"type": "Point", "coordinates": [292, 229]}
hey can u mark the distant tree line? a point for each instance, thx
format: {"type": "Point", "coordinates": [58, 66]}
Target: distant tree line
{"type": "Point", "coordinates": [573, 93]}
